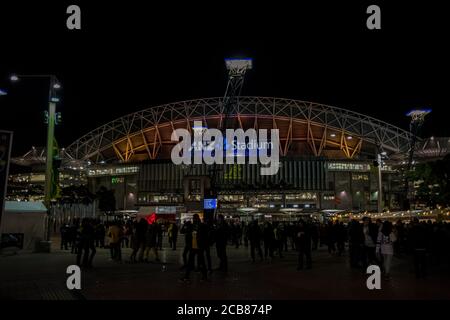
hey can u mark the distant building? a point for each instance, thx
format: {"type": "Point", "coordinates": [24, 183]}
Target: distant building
{"type": "Point", "coordinates": [27, 175]}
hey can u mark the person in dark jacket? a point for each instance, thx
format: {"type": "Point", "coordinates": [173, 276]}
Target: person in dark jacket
{"type": "Point", "coordinates": [278, 238]}
{"type": "Point", "coordinates": [254, 236]}
{"type": "Point", "coordinates": [221, 237]}
{"type": "Point", "coordinates": [370, 233]}
{"type": "Point", "coordinates": [141, 231]}
{"type": "Point", "coordinates": [340, 237]}
{"type": "Point", "coordinates": [304, 245]}
{"type": "Point", "coordinates": [186, 229]}
{"type": "Point", "coordinates": [235, 234]}
{"type": "Point", "coordinates": [331, 237]}
{"type": "Point", "coordinates": [355, 243]}
{"type": "Point", "coordinates": [100, 233]}
{"type": "Point", "coordinates": [86, 244]}
{"type": "Point", "coordinates": [151, 242]}
{"type": "Point", "coordinates": [399, 244]}
{"type": "Point", "coordinates": [174, 236]}
{"type": "Point", "coordinates": [199, 235]}
{"type": "Point", "coordinates": [160, 233]}
{"type": "Point", "coordinates": [418, 240]}
{"type": "Point", "coordinates": [245, 233]}
{"type": "Point", "coordinates": [74, 236]}
{"type": "Point", "coordinates": [209, 241]}
{"type": "Point", "coordinates": [315, 236]}
{"type": "Point", "coordinates": [65, 235]}
{"type": "Point", "coordinates": [268, 237]}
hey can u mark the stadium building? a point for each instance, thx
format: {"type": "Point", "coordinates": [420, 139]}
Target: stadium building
{"type": "Point", "coordinates": [326, 158]}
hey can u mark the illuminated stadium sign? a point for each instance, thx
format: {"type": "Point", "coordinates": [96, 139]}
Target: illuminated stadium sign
{"type": "Point", "coordinates": [345, 166]}
{"type": "Point", "coordinates": [113, 171]}
{"type": "Point", "coordinates": [210, 203]}
{"type": "Point", "coordinates": [348, 166]}
{"type": "Point", "coordinates": [261, 150]}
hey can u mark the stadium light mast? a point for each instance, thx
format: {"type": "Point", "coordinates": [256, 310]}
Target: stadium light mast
{"type": "Point", "coordinates": [236, 73]}
{"type": "Point", "coordinates": [51, 121]}
{"type": "Point", "coordinates": [237, 69]}
{"type": "Point", "coordinates": [417, 120]}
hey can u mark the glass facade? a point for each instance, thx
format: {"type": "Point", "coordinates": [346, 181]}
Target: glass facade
{"type": "Point", "coordinates": [304, 183]}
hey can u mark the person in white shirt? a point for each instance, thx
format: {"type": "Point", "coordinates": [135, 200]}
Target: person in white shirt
{"type": "Point", "coordinates": [385, 246]}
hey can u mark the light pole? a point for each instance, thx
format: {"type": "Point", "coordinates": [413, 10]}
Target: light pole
{"type": "Point", "coordinates": [52, 100]}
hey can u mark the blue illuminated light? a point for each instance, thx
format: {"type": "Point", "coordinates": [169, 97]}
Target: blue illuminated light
{"type": "Point", "coordinates": [410, 113]}
{"type": "Point", "coordinates": [210, 203]}
{"type": "Point", "coordinates": [239, 59]}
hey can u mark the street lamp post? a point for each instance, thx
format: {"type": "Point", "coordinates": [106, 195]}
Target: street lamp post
{"type": "Point", "coordinates": [52, 99]}
{"type": "Point", "coordinates": [54, 85]}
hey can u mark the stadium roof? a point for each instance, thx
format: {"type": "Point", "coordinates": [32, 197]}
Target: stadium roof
{"type": "Point", "coordinates": [305, 127]}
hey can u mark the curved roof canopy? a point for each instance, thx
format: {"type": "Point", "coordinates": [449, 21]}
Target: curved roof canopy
{"type": "Point", "coordinates": [305, 128]}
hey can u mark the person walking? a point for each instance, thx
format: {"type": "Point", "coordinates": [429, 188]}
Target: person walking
{"type": "Point", "coordinates": [385, 246]}
{"type": "Point", "coordinates": [141, 232]}
{"type": "Point", "coordinates": [331, 238]}
{"type": "Point", "coordinates": [340, 238]}
{"type": "Point", "coordinates": [315, 236]}
{"type": "Point", "coordinates": [419, 242]}
{"type": "Point", "coordinates": [245, 233]}
{"type": "Point", "coordinates": [75, 236]}
{"type": "Point", "coordinates": [160, 233]}
{"type": "Point", "coordinates": [186, 229]}
{"type": "Point", "coordinates": [304, 245]}
{"type": "Point", "coordinates": [65, 231]}
{"type": "Point", "coordinates": [355, 243]}
{"type": "Point", "coordinates": [370, 232]}
{"type": "Point", "coordinates": [174, 236]}
{"type": "Point", "coordinates": [278, 241]}
{"type": "Point", "coordinates": [151, 241]}
{"type": "Point", "coordinates": [210, 238]}
{"type": "Point", "coordinates": [134, 243]}
{"type": "Point", "coordinates": [254, 236]}
{"type": "Point", "coordinates": [169, 235]}
{"type": "Point", "coordinates": [86, 244]}
{"type": "Point", "coordinates": [199, 241]}
{"type": "Point", "coordinates": [100, 233]}
{"type": "Point", "coordinates": [221, 237]}
{"type": "Point", "coordinates": [127, 229]}
{"type": "Point", "coordinates": [115, 236]}
{"type": "Point", "coordinates": [268, 237]}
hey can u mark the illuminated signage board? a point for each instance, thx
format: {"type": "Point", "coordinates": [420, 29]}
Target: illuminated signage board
{"type": "Point", "coordinates": [117, 180]}
{"type": "Point", "coordinates": [210, 203]}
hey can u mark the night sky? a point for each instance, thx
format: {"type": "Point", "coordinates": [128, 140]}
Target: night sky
{"type": "Point", "coordinates": [130, 56]}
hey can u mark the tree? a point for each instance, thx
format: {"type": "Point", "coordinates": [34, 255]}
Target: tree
{"type": "Point", "coordinates": [432, 180]}
{"type": "Point", "coordinates": [106, 200]}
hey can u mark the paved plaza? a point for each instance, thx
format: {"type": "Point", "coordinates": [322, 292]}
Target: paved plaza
{"type": "Point", "coordinates": [43, 277]}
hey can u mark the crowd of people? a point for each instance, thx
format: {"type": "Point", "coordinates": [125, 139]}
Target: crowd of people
{"type": "Point", "coordinates": [84, 236]}
{"type": "Point", "coordinates": [363, 242]}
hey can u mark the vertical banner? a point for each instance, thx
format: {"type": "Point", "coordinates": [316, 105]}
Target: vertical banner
{"type": "Point", "coordinates": [5, 153]}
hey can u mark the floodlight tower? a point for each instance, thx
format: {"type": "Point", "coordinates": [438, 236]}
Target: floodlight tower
{"type": "Point", "coordinates": [236, 73]}
{"type": "Point", "coordinates": [417, 120]}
